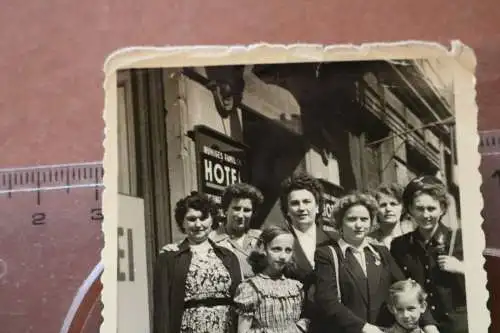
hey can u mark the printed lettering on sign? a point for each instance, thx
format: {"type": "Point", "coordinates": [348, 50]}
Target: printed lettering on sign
{"type": "Point", "coordinates": [221, 162]}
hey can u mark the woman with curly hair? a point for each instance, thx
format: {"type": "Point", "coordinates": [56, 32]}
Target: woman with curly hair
{"type": "Point", "coordinates": [390, 220]}
{"type": "Point", "coordinates": [195, 280]}
{"type": "Point", "coordinates": [240, 203]}
{"type": "Point", "coordinates": [301, 202]}
{"type": "Point", "coordinates": [353, 277]}
{"type": "Point", "coordinates": [269, 301]}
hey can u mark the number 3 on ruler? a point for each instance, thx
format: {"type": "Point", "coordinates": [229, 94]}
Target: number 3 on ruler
{"type": "Point", "coordinates": [129, 253]}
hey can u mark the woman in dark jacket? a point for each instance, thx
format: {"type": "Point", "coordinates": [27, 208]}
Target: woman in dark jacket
{"type": "Point", "coordinates": [195, 280]}
{"type": "Point", "coordinates": [432, 255]}
{"type": "Point", "coordinates": [353, 277]}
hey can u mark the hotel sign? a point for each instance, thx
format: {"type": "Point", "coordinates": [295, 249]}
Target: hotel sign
{"type": "Point", "coordinates": [221, 161]}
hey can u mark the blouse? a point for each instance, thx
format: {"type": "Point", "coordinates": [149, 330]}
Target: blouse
{"type": "Point", "coordinates": [275, 305]}
{"type": "Point", "coordinates": [207, 278]}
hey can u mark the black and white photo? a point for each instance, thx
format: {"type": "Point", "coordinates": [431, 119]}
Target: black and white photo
{"type": "Point", "coordinates": [294, 196]}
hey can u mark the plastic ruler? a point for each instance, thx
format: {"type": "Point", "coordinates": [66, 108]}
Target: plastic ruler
{"type": "Point", "coordinates": [50, 243]}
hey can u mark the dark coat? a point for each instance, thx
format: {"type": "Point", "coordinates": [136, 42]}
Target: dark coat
{"type": "Point", "coordinates": [363, 299]}
{"type": "Point", "coordinates": [446, 291]}
{"type": "Point", "coordinates": [304, 271]}
{"type": "Point", "coordinates": [169, 284]}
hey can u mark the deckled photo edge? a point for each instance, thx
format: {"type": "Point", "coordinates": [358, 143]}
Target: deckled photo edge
{"type": "Point", "coordinates": [471, 199]}
{"type": "Point", "coordinates": [466, 107]}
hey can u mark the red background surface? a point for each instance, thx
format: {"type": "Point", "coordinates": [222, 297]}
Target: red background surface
{"type": "Point", "coordinates": [51, 96]}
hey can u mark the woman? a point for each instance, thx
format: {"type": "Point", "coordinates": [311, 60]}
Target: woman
{"type": "Point", "coordinates": [240, 203]}
{"type": "Point", "coordinates": [355, 301]}
{"type": "Point", "coordinates": [269, 302]}
{"type": "Point", "coordinates": [432, 254]}
{"type": "Point", "coordinates": [390, 225]}
{"type": "Point", "coordinates": [301, 202]}
{"type": "Point", "coordinates": [195, 280]}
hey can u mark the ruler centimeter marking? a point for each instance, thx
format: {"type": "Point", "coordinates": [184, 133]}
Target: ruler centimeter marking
{"type": "Point", "coordinates": [51, 177]}
{"type": "Point", "coordinates": [43, 178]}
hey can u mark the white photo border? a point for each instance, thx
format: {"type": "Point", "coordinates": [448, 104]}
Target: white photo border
{"type": "Point", "coordinates": [466, 112]}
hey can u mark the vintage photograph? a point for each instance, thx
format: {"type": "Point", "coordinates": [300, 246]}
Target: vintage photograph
{"type": "Point", "coordinates": [291, 197]}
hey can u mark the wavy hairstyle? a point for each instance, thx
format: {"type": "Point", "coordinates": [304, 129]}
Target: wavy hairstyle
{"type": "Point", "coordinates": [197, 201]}
{"type": "Point", "coordinates": [301, 181]}
{"type": "Point", "coordinates": [258, 259]}
{"type": "Point", "coordinates": [242, 191]}
{"type": "Point", "coordinates": [354, 199]}
{"type": "Point", "coordinates": [392, 190]}
{"type": "Point", "coordinates": [429, 185]}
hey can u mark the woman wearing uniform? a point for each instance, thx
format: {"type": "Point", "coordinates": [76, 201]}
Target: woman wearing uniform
{"type": "Point", "coordinates": [432, 255]}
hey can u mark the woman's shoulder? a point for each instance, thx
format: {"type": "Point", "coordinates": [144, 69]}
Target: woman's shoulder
{"type": "Point", "coordinates": [172, 248]}
{"type": "Point", "coordinates": [325, 249]}
{"type": "Point", "coordinates": [403, 240]}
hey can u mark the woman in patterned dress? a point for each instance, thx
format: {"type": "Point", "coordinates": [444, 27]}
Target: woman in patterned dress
{"type": "Point", "coordinates": [195, 280]}
{"type": "Point", "coordinates": [270, 302]}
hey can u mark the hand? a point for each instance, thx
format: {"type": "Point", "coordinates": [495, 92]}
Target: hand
{"type": "Point", "coordinates": [303, 325]}
{"type": "Point", "coordinates": [369, 328]}
{"type": "Point", "coordinates": [430, 329]}
{"type": "Point", "coordinates": [450, 264]}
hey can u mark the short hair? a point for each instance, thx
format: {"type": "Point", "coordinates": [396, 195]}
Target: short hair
{"type": "Point", "coordinates": [406, 286]}
{"type": "Point", "coordinates": [257, 258]}
{"type": "Point", "coordinates": [301, 181]}
{"type": "Point", "coordinates": [242, 191]}
{"type": "Point", "coordinates": [197, 201]}
{"type": "Point", "coordinates": [354, 199]}
{"type": "Point", "coordinates": [425, 185]}
{"type": "Point", "coordinates": [392, 190]}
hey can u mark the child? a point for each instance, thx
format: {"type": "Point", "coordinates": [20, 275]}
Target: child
{"type": "Point", "coordinates": [407, 302]}
{"type": "Point", "coordinates": [269, 301]}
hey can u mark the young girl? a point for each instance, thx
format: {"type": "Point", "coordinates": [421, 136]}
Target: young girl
{"type": "Point", "coordinates": [407, 302]}
{"type": "Point", "coordinates": [270, 302]}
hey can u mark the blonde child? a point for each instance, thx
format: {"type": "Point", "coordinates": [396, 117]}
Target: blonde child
{"type": "Point", "coordinates": [407, 302]}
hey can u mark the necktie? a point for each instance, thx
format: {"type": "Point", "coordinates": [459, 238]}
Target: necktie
{"type": "Point", "coordinates": [353, 263]}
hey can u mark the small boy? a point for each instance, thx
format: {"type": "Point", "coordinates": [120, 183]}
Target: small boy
{"type": "Point", "coordinates": [407, 302]}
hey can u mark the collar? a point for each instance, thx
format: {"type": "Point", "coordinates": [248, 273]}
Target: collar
{"type": "Point", "coordinates": [438, 231]}
{"type": "Point", "coordinates": [267, 277]}
{"type": "Point", "coordinates": [311, 232]}
{"type": "Point", "coordinates": [397, 328]}
{"type": "Point", "coordinates": [184, 246]}
{"type": "Point", "coordinates": [365, 245]}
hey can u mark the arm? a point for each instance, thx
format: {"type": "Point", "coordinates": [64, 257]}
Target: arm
{"type": "Point", "coordinates": [326, 295]}
{"type": "Point", "coordinates": [245, 301]}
